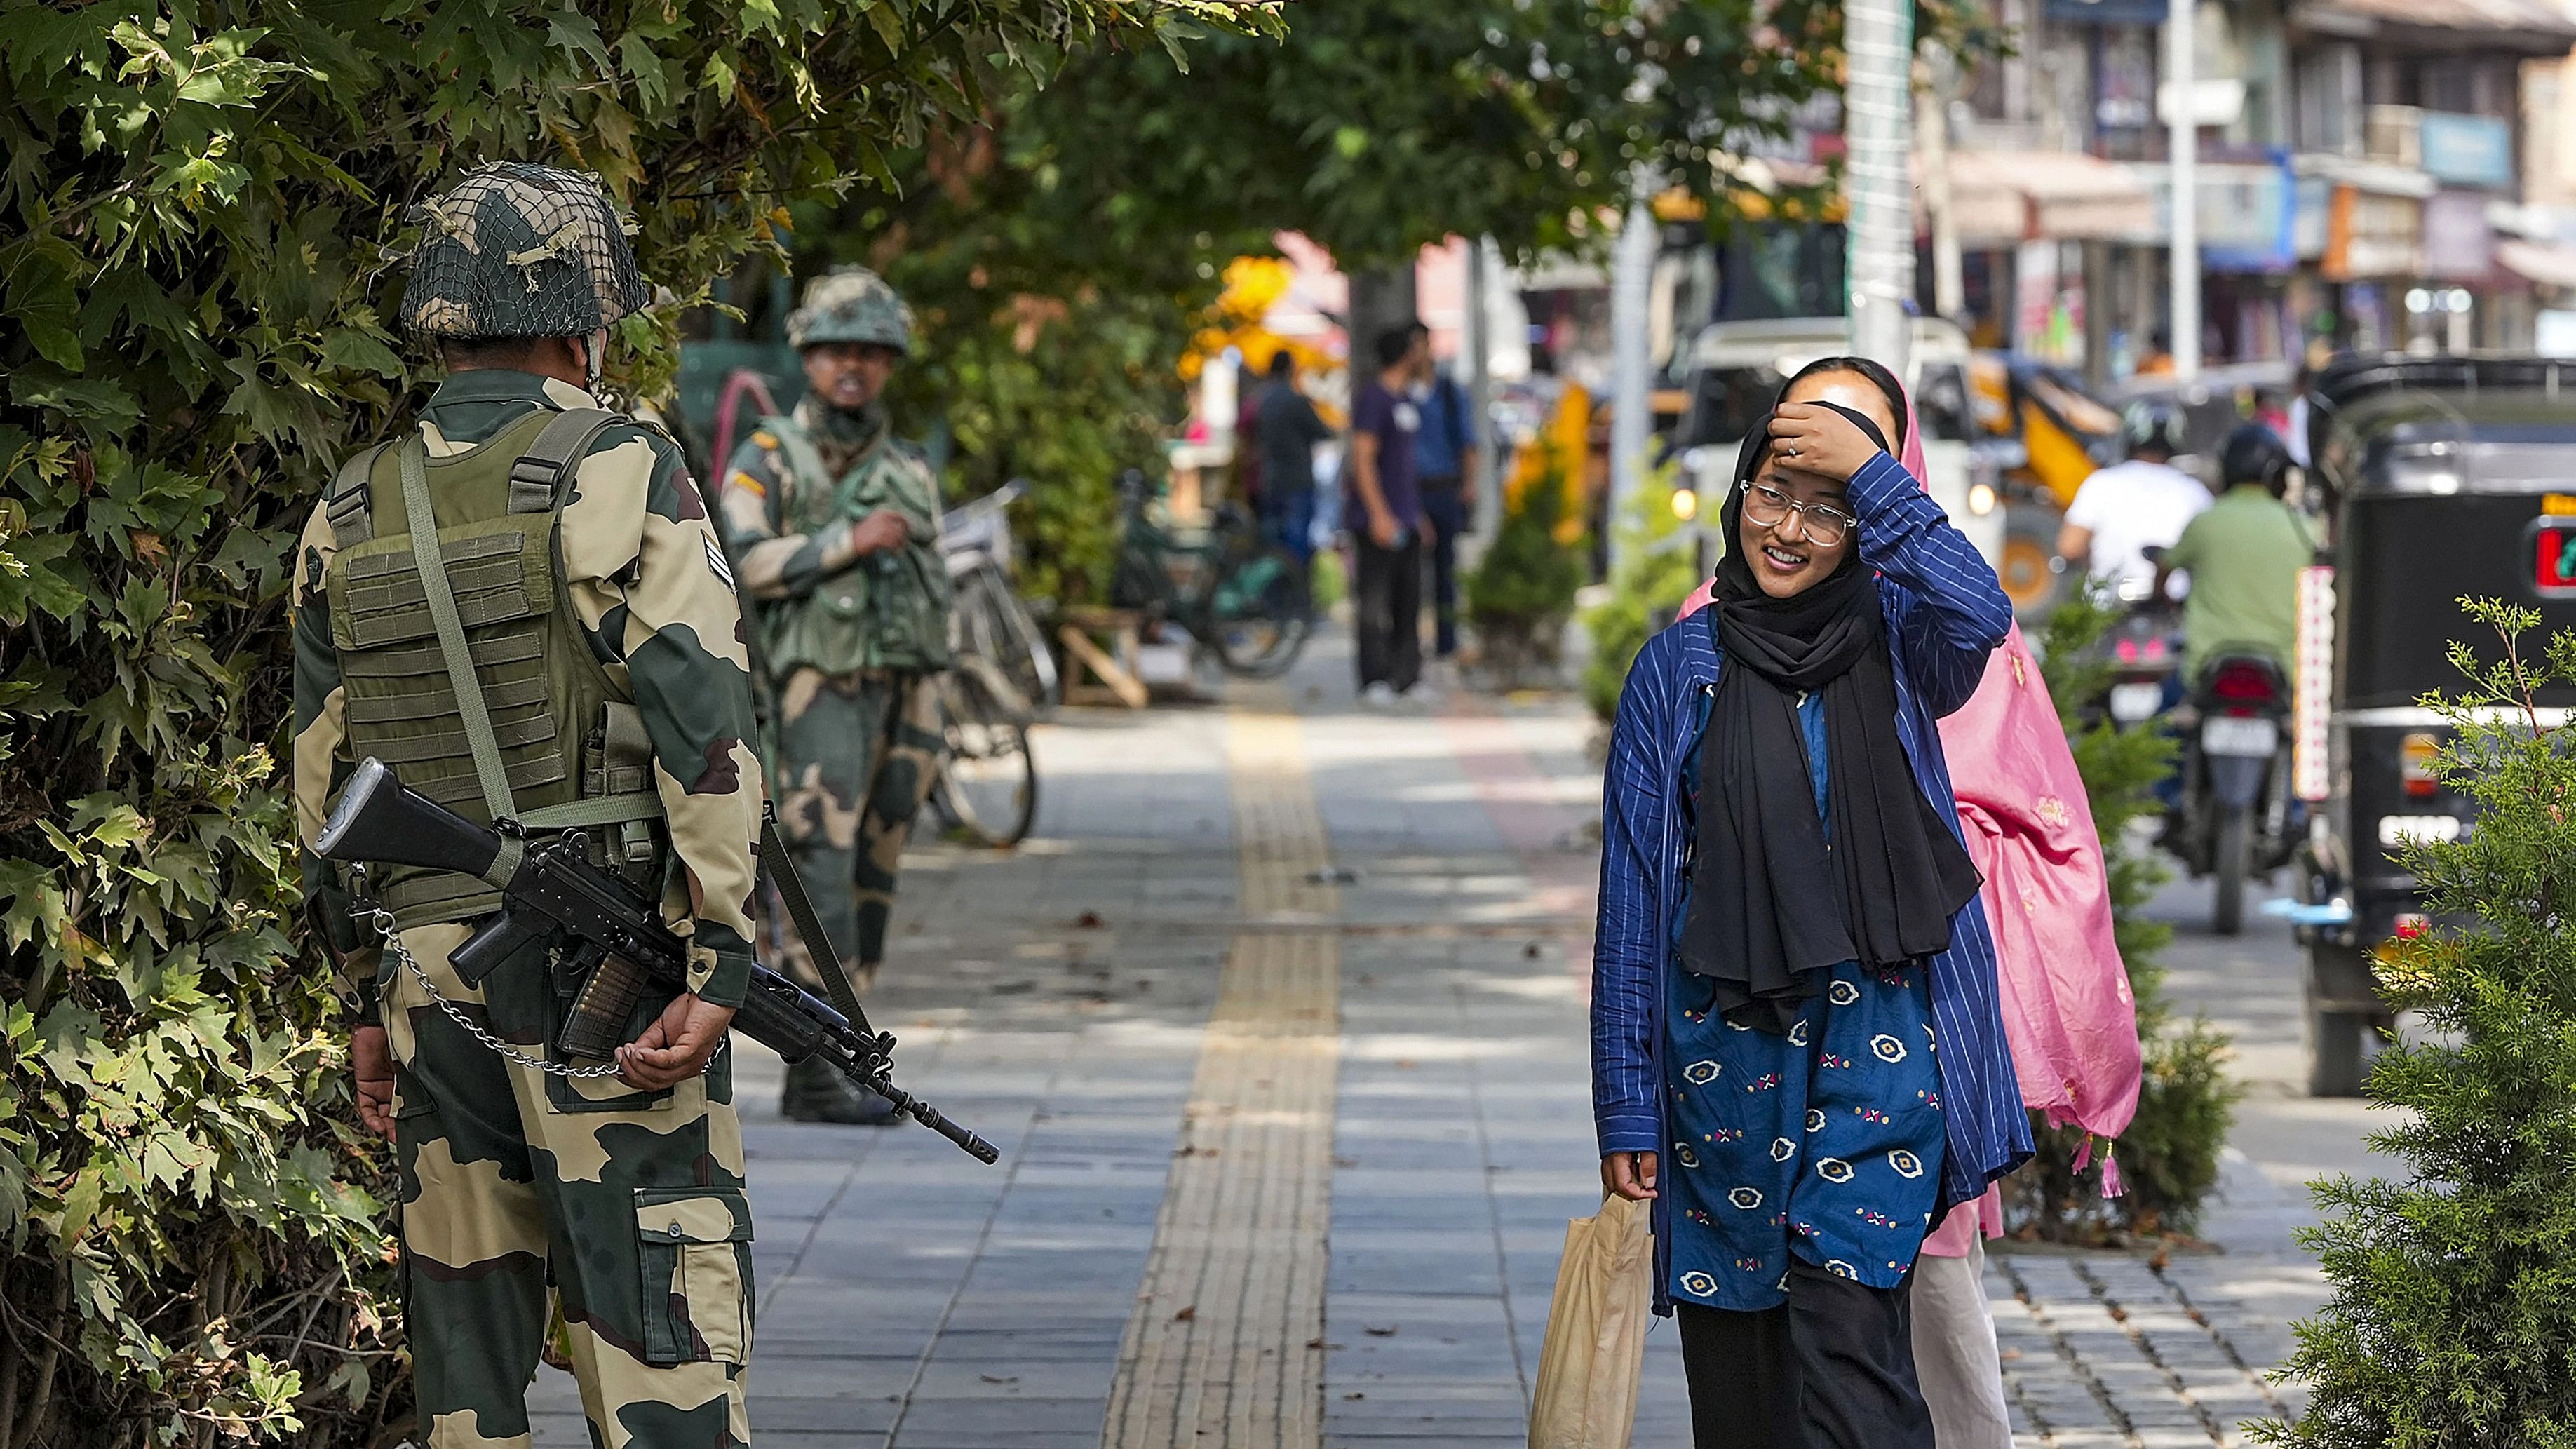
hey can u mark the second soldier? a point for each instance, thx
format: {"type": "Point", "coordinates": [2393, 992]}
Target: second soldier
{"type": "Point", "coordinates": [833, 523]}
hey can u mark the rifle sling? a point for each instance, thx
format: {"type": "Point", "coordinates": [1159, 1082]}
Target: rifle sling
{"type": "Point", "coordinates": [809, 928]}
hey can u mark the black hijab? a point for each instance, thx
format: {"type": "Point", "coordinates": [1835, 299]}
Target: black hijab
{"type": "Point", "coordinates": [1779, 895]}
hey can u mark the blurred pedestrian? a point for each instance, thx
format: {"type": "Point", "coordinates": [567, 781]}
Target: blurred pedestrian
{"type": "Point", "coordinates": [1288, 428]}
{"type": "Point", "coordinates": [834, 527]}
{"type": "Point", "coordinates": [1383, 506]}
{"type": "Point", "coordinates": [1764, 1008]}
{"type": "Point", "coordinates": [1447, 460]}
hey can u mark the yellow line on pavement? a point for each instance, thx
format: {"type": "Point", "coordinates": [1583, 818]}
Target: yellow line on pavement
{"type": "Point", "coordinates": [1225, 1347]}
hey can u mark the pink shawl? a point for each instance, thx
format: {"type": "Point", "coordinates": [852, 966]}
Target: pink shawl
{"type": "Point", "coordinates": [2066, 1004]}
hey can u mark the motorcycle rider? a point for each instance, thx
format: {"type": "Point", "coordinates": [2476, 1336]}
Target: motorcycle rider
{"type": "Point", "coordinates": [2244, 553]}
{"type": "Point", "coordinates": [2130, 507]}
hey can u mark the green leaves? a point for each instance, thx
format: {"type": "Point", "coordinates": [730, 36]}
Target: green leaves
{"type": "Point", "coordinates": [2454, 1306]}
{"type": "Point", "coordinates": [203, 210]}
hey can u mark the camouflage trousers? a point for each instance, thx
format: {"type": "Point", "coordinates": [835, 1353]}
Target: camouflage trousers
{"type": "Point", "coordinates": [629, 1204]}
{"type": "Point", "coordinates": [857, 755]}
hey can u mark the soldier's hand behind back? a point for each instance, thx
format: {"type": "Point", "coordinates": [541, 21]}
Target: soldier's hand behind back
{"type": "Point", "coordinates": [881, 530]}
{"type": "Point", "coordinates": [371, 1062]}
{"type": "Point", "coordinates": [676, 1046]}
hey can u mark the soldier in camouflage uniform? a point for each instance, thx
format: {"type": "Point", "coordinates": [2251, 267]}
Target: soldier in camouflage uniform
{"type": "Point", "coordinates": [834, 526]}
{"type": "Point", "coordinates": [608, 687]}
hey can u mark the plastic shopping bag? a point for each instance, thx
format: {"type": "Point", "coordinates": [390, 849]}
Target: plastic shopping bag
{"type": "Point", "coordinates": [1596, 1332]}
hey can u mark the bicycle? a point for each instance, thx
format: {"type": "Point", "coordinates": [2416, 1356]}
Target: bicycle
{"type": "Point", "coordinates": [989, 620]}
{"type": "Point", "coordinates": [1000, 677]}
{"type": "Point", "coordinates": [1242, 597]}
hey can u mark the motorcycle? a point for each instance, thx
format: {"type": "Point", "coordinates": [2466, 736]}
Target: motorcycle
{"type": "Point", "coordinates": [2144, 652]}
{"type": "Point", "coordinates": [2234, 820]}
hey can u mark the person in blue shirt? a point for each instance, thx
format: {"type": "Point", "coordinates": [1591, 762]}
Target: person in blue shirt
{"type": "Point", "coordinates": [1798, 1054]}
{"type": "Point", "coordinates": [1445, 468]}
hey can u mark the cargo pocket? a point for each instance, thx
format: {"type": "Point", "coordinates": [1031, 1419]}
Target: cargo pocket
{"type": "Point", "coordinates": [694, 1247]}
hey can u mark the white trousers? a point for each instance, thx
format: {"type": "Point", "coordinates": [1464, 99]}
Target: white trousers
{"type": "Point", "coordinates": [1954, 1352]}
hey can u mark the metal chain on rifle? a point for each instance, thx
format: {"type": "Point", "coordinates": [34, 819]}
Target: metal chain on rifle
{"type": "Point", "coordinates": [384, 923]}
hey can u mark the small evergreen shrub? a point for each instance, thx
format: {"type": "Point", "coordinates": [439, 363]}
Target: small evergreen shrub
{"type": "Point", "coordinates": [1521, 594]}
{"type": "Point", "coordinates": [2453, 1317]}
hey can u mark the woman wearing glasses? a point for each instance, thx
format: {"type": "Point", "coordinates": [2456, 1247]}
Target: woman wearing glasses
{"type": "Point", "coordinates": [1789, 928]}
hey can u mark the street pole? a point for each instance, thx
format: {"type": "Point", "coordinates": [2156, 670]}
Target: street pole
{"type": "Point", "coordinates": [1631, 294]}
{"type": "Point", "coordinates": [1932, 123]}
{"type": "Point", "coordinates": [1480, 391]}
{"type": "Point", "coordinates": [1878, 124]}
{"type": "Point", "coordinates": [2183, 86]}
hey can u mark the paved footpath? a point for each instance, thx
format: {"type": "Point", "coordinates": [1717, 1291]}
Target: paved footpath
{"type": "Point", "coordinates": [1279, 1023]}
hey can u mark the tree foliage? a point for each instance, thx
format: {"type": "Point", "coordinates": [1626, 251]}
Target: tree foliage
{"type": "Point", "coordinates": [2453, 1318]}
{"type": "Point", "coordinates": [2169, 1156]}
{"type": "Point", "coordinates": [202, 211]}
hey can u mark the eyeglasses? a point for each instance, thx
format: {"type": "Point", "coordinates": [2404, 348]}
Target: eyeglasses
{"type": "Point", "coordinates": [1768, 507]}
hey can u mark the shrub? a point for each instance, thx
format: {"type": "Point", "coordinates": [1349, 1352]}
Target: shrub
{"type": "Point", "coordinates": [201, 220]}
{"type": "Point", "coordinates": [1522, 592]}
{"type": "Point", "coordinates": [1654, 568]}
{"type": "Point", "coordinates": [2169, 1157]}
{"type": "Point", "coordinates": [2453, 1315]}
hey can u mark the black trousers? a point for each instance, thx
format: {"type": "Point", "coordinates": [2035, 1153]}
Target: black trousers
{"type": "Point", "coordinates": [1833, 1368]}
{"type": "Point", "coordinates": [1386, 605]}
{"type": "Point", "coordinates": [1448, 520]}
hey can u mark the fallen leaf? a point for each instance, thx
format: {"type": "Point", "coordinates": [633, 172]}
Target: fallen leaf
{"type": "Point", "coordinates": [1089, 921]}
{"type": "Point", "coordinates": [1354, 1394]}
{"type": "Point", "coordinates": [1530, 951]}
{"type": "Point", "coordinates": [999, 1378]}
{"type": "Point", "coordinates": [1186, 1314]}
{"type": "Point", "coordinates": [1386, 1332]}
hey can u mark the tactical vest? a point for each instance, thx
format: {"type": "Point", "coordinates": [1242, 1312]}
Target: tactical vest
{"type": "Point", "coordinates": [533, 730]}
{"type": "Point", "coordinates": [886, 611]}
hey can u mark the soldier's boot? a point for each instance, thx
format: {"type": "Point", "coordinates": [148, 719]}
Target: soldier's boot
{"type": "Point", "coordinates": [817, 1093]}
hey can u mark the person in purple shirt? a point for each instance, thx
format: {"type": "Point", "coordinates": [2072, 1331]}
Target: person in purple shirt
{"type": "Point", "coordinates": [1388, 526]}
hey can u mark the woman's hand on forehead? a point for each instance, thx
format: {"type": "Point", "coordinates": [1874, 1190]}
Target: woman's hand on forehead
{"type": "Point", "coordinates": [1814, 439]}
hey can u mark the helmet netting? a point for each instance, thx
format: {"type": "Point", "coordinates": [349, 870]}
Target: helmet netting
{"type": "Point", "coordinates": [520, 250]}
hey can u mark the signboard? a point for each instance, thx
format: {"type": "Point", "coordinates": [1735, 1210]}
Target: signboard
{"type": "Point", "coordinates": [2459, 244]}
{"type": "Point", "coordinates": [2553, 558]}
{"type": "Point", "coordinates": [2371, 235]}
{"type": "Point", "coordinates": [2467, 150]}
{"type": "Point", "coordinates": [2107, 12]}
{"type": "Point", "coordinates": [2247, 216]}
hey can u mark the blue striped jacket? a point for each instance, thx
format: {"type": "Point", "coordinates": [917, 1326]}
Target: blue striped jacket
{"type": "Point", "coordinates": [1946, 612]}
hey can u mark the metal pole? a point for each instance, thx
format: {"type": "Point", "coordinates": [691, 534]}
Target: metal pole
{"type": "Point", "coordinates": [1949, 279]}
{"type": "Point", "coordinates": [2183, 86]}
{"type": "Point", "coordinates": [1878, 125]}
{"type": "Point", "coordinates": [1631, 291]}
{"type": "Point", "coordinates": [1480, 393]}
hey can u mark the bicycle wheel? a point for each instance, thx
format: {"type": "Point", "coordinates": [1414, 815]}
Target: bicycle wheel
{"type": "Point", "coordinates": [1260, 610]}
{"type": "Point", "coordinates": [988, 780]}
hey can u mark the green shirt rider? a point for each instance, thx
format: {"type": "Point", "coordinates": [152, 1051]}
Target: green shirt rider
{"type": "Point", "coordinates": [834, 527]}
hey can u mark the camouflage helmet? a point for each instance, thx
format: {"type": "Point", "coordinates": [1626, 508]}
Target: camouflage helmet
{"type": "Point", "coordinates": [520, 250]}
{"type": "Point", "coordinates": [851, 304]}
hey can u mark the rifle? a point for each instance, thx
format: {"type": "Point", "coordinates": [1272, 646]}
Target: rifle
{"type": "Point", "coordinates": [551, 893]}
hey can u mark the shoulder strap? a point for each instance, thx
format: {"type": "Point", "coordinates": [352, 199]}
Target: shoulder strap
{"type": "Point", "coordinates": [536, 479]}
{"type": "Point", "coordinates": [461, 676]}
{"type": "Point", "coordinates": [804, 458]}
{"type": "Point", "coordinates": [350, 503]}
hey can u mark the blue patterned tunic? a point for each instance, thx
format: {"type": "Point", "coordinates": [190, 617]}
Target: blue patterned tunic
{"type": "Point", "coordinates": [1825, 1142]}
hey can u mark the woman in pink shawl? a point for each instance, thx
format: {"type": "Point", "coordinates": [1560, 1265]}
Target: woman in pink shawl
{"type": "Point", "coordinates": [2066, 1003]}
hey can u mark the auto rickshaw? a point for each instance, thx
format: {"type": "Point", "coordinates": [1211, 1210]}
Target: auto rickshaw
{"type": "Point", "coordinates": [2438, 478]}
{"type": "Point", "coordinates": [2045, 435]}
